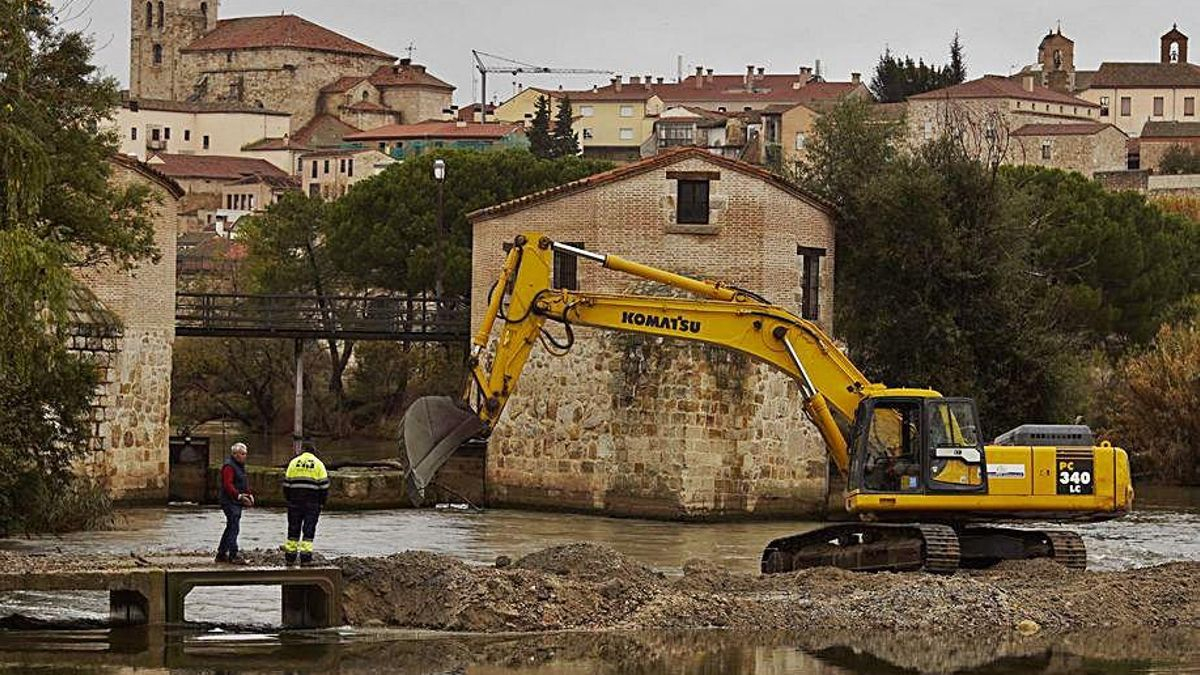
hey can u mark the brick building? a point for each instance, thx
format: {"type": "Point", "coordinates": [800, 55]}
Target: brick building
{"type": "Point", "coordinates": [132, 407]}
{"type": "Point", "coordinates": [634, 426]}
{"type": "Point", "coordinates": [180, 50]}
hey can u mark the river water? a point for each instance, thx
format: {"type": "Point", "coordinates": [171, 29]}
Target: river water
{"type": "Point", "coordinates": [1165, 527]}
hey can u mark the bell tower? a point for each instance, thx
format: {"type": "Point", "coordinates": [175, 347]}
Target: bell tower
{"type": "Point", "coordinates": [159, 30]}
{"type": "Point", "coordinates": [1174, 46]}
{"type": "Point", "coordinates": [1056, 54]}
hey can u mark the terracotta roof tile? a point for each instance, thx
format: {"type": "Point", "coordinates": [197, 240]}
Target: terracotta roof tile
{"type": "Point", "coordinates": [658, 161]}
{"type": "Point", "coordinates": [1170, 130]}
{"type": "Point", "coordinates": [767, 89]}
{"type": "Point", "coordinates": [273, 144]}
{"type": "Point", "coordinates": [199, 106]}
{"type": "Point", "coordinates": [212, 166]}
{"type": "Point", "coordinates": [323, 131]}
{"type": "Point", "coordinates": [286, 30]}
{"type": "Point", "coordinates": [406, 75]}
{"type": "Point", "coordinates": [368, 106]}
{"type": "Point", "coordinates": [1080, 129]}
{"type": "Point", "coordinates": [435, 129]}
{"type": "Point", "coordinates": [997, 86]}
{"type": "Point", "coordinates": [151, 172]}
{"type": "Point", "coordinates": [1146, 75]}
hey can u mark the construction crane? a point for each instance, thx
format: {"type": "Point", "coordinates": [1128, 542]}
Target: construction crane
{"type": "Point", "coordinates": [517, 67]}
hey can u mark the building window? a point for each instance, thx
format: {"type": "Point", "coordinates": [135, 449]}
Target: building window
{"type": "Point", "coordinates": [566, 268]}
{"type": "Point", "coordinates": [327, 167]}
{"type": "Point", "coordinates": [810, 281]}
{"type": "Point", "coordinates": [149, 15]}
{"type": "Point", "coordinates": [800, 140]}
{"type": "Point", "coordinates": [350, 167]}
{"type": "Point", "coordinates": [155, 134]}
{"type": "Point", "coordinates": [187, 134]}
{"type": "Point", "coordinates": [167, 134]}
{"type": "Point", "coordinates": [228, 57]}
{"type": "Point", "coordinates": [314, 189]}
{"type": "Point", "coordinates": [342, 165]}
{"type": "Point", "coordinates": [314, 168]}
{"type": "Point", "coordinates": [1104, 106]}
{"type": "Point", "coordinates": [158, 54]}
{"type": "Point", "coordinates": [1046, 146]}
{"type": "Point", "coordinates": [627, 134]}
{"type": "Point", "coordinates": [382, 147]}
{"type": "Point", "coordinates": [204, 9]}
{"type": "Point", "coordinates": [161, 12]}
{"type": "Point", "coordinates": [1189, 106]}
{"type": "Point", "coordinates": [587, 134]}
{"type": "Point", "coordinates": [133, 134]}
{"type": "Point", "coordinates": [626, 111]}
{"type": "Point", "coordinates": [1158, 106]}
{"type": "Point", "coordinates": [586, 111]}
{"type": "Point", "coordinates": [1126, 106]}
{"type": "Point", "coordinates": [691, 202]}
{"type": "Point", "coordinates": [1018, 105]}
{"type": "Point", "coordinates": [205, 142]}
{"type": "Point", "coordinates": [366, 95]}
{"type": "Point", "coordinates": [676, 134]}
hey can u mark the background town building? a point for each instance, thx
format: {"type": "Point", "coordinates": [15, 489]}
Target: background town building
{"type": "Point", "coordinates": [149, 126]}
{"type": "Point", "coordinates": [643, 427]}
{"type": "Point", "coordinates": [402, 141]}
{"type": "Point", "coordinates": [330, 173]}
{"type": "Point", "coordinates": [1085, 147]}
{"type": "Point", "coordinates": [204, 178]}
{"type": "Point", "coordinates": [1159, 137]}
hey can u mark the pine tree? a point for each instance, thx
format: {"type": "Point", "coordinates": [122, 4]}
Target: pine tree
{"type": "Point", "coordinates": [564, 140]}
{"type": "Point", "coordinates": [540, 142]}
{"type": "Point", "coordinates": [956, 72]}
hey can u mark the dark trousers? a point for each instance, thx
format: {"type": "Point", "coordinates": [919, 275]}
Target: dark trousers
{"type": "Point", "coordinates": [233, 526]}
{"type": "Point", "coordinates": [302, 520]}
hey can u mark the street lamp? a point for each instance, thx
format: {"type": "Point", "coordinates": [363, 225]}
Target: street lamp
{"type": "Point", "coordinates": [439, 176]}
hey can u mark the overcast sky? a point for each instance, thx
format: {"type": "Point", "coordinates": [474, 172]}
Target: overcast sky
{"type": "Point", "coordinates": [636, 37]}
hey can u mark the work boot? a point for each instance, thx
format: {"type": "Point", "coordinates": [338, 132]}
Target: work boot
{"type": "Point", "coordinates": [237, 560]}
{"type": "Point", "coordinates": [221, 558]}
{"type": "Point", "coordinates": [306, 562]}
{"type": "Point", "coordinates": [289, 560]}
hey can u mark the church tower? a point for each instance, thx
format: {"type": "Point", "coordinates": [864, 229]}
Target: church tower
{"type": "Point", "coordinates": [160, 29]}
{"type": "Point", "coordinates": [1174, 46]}
{"type": "Point", "coordinates": [1056, 54]}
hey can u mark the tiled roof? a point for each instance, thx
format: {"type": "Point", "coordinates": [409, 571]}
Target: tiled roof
{"type": "Point", "coordinates": [469, 112]}
{"type": "Point", "coordinates": [151, 172]}
{"type": "Point", "coordinates": [273, 144]}
{"type": "Point", "coordinates": [767, 89]}
{"type": "Point", "coordinates": [630, 92]}
{"type": "Point", "coordinates": [342, 84]}
{"type": "Point", "coordinates": [1170, 130]}
{"type": "Point", "coordinates": [997, 86]}
{"type": "Point", "coordinates": [663, 159]}
{"type": "Point", "coordinates": [323, 131]}
{"type": "Point", "coordinates": [199, 106]}
{"type": "Point", "coordinates": [341, 152]}
{"type": "Point", "coordinates": [285, 31]}
{"type": "Point", "coordinates": [434, 129]}
{"type": "Point", "coordinates": [1146, 75]}
{"type": "Point", "coordinates": [275, 182]}
{"type": "Point", "coordinates": [1080, 129]}
{"type": "Point", "coordinates": [212, 166]}
{"type": "Point", "coordinates": [407, 75]}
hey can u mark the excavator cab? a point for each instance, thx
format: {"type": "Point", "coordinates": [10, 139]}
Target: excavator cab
{"type": "Point", "coordinates": [915, 444]}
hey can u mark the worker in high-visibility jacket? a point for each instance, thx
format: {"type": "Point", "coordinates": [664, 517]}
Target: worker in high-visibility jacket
{"type": "Point", "coordinates": [305, 487]}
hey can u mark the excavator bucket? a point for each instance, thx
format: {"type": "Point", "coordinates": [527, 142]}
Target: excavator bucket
{"type": "Point", "coordinates": [432, 429]}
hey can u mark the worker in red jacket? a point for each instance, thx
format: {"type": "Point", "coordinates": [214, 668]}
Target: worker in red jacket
{"type": "Point", "coordinates": [234, 496]}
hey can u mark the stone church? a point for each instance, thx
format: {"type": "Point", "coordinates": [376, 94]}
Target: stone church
{"type": "Point", "coordinates": [181, 50]}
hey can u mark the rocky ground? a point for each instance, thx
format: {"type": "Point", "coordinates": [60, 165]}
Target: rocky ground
{"type": "Point", "coordinates": [587, 586]}
{"type": "Point", "coordinates": [592, 587]}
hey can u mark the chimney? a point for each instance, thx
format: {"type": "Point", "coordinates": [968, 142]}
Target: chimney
{"type": "Point", "coordinates": [647, 80]}
{"type": "Point", "coordinates": [659, 81]}
{"type": "Point", "coordinates": [749, 80]}
{"type": "Point", "coordinates": [708, 75]}
{"type": "Point", "coordinates": [616, 83]}
{"type": "Point", "coordinates": [635, 79]}
{"type": "Point", "coordinates": [856, 77]}
{"type": "Point", "coordinates": [1027, 82]}
{"type": "Point", "coordinates": [699, 77]}
{"type": "Point", "coordinates": [761, 71]}
{"type": "Point", "coordinates": [405, 62]}
{"type": "Point", "coordinates": [805, 76]}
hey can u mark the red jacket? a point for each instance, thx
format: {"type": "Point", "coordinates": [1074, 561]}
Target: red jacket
{"type": "Point", "coordinates": [227, 483]}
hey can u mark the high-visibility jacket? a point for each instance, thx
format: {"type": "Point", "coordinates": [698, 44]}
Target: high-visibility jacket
{"type": "Point", "coordinates": [306, 480]}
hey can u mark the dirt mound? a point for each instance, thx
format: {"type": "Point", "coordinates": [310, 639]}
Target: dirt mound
{"type": "Point", "coordinates": [586, 586]}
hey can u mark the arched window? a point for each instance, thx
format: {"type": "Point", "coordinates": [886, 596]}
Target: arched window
{"type": "Point", "coordinates": [158, 54]}
{"type": "Point", "coordinates": [1058, 59]}
{"type": "Point", "coordinates": [161, 12]}
{"type": "Point", "coordinates": [204, 9]}
{"type": "Point", "coordinates": [1174, 52]}
{"type": "Point", "coordinates": [149, 15]}
{"type": "Point", "coordinates": [366, 95]}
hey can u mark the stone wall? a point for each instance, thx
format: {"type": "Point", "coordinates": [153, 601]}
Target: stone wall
{"type": "Point", "coordinates": [288, 80]}
{"type": "Point", "coordinates": [132, 454]}
{"type": "Point", "coordinates": [1153, 150]}
{"type": "Point", "coordinates": [647, 427]}
{"type": "Point", "coordinates": [1085, 153]}
{"type": "Point", "coordinates": [416, 104]}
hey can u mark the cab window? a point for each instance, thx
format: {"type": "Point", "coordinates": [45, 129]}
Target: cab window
{"type": "Point", "coordinates": [891, 450]}
{"type": "Point", "coordinates": [955, 456]}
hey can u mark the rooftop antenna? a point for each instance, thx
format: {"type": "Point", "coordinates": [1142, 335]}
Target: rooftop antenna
{"type": "Point", "coordinates": [410, 49]}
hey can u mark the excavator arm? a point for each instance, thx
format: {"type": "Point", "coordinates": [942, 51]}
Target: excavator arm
{"type": "Point", "coordinates": [524, 300]}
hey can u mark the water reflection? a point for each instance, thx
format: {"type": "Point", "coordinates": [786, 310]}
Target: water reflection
{"type": "Point", "coordinates": [636, 653]}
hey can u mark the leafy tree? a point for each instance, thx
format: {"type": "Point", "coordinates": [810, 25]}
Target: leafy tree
{"type": "Point", "coordinates": [58, 208]}
{"type": "Point", "coordinates": [386, 234]}
{"type": "Point", "coordinates": [565, 141]}
{"type": "Point", "coordinates": [1180, 159]}
{"type": "Point", "coordinates": [1118, 261]}
{"type": "Point", "coordinates": [897, 78]}
{"type": "Point", "coordinates": [541, 142]}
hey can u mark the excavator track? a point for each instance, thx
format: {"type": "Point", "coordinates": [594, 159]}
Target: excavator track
{"type": "Point", "coordinates": [874, 547]}
{"type": "Point", "coordinates": [1067, 548]}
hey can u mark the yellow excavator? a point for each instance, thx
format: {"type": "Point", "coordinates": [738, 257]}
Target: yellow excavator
{"type": "Point", "coordinates": [925, 489]}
